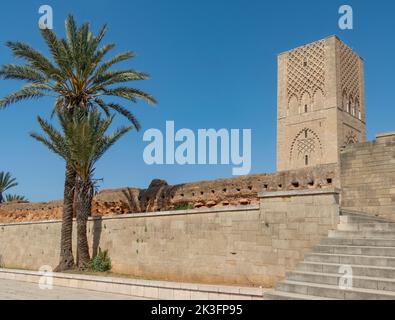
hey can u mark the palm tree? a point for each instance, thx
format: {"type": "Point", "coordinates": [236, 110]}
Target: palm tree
{"type": "Point", "coordinates": [77, 76]}
{"type": "Point", "coordinates": [82, 143]}
{"type": "Point", "coordinates": [9, 198]}
{"type": "Point", "coordinates": [6, 182]}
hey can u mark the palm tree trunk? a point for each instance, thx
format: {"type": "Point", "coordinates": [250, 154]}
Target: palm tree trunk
{"type": "Point", "coordinates": [66, 249]}
{"type": "Point", "coordinates": [1, 197]}
{"type": "Point", "coordinates": [84, 208]}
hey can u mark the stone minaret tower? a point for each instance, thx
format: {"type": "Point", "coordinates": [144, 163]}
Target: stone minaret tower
{"type": "Point", "coordinates": [321, 103]}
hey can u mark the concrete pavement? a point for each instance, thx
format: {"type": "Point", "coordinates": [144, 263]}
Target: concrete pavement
{"type": "Point", "coordinates": [18, 290]}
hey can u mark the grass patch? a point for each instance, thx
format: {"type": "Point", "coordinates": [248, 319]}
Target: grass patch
{"type": "Point", "coordinates": [184, 206]}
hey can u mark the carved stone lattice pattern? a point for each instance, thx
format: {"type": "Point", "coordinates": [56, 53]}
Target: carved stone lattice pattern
{"type": "Point", "coordinates": [351, 138]}
{"type": "Point", "coordinates": [306, 142]}
{"type": "Point", "coordinates": [349, 72]}
{"type": "Point", "coordinates": [306, 146]}
{"type": "Point", "coordinates": [306, 70]}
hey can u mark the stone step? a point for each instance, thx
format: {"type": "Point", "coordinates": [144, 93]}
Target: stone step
{"type": "Point", "coordinates": [359, 242]}
{"type": "Point", "coordinates": [281, 295]}
{"type": "Point", "coordinates": [345, 259]}
{"type": "Point", "coordinates": [362, 234]}
{"type": "Point", "coordinates": [384, 284]}
{"type": "Point", "coordinates": [356, 250]}
{"type": "Point", "coordinates": [331, 291]}
{"type": "Point", "coordinates": [364, 243]}
{"type": "Point", "coordinates": [355, 218]}
{"type": "Point", "coordinates": [371, 226]}
{"type": "Point", "coordinates": [358, 270]}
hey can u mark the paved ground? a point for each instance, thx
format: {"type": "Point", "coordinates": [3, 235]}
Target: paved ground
{"type": "Point", "coordinates": [16, 290]}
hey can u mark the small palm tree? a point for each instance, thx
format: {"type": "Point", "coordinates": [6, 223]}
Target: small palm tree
{"type": "Point", "coordinates": [82, 143]}
{"type": "Point", "coordinates": [9, 198]}
{"type": "Point", "coordinates": [78, 76]}
{"type": "Point", "coordinates": [6, 182]}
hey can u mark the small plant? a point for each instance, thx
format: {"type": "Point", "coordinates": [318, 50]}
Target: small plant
{"type": "Point", "coordinates": [9, 198]}
{"type": "Point", "coordinates": [101, 263]}
{"type": "Point", "coordinates": [184, 206]}
{"type": "Point", "coordinates": [6, 182]}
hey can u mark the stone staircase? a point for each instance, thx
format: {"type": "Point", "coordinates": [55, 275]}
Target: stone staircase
{"type": "Point", "coordinates": [364, 243]}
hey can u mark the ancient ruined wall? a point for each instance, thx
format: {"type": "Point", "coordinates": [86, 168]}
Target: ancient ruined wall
{"type": "Point", "coordinates": [368, 176]}
{"type": "Point", "coordinates": [240, 245]}
{"type": "Point", "coordinates": [160, 196]}
{"type": "Point", "coordinates": [37, 211]}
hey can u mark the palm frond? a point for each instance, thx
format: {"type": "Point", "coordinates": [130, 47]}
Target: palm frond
{"type": "Point", "coordinates": [54, 140]}
{"type": "Point", "coordinates": [27, 92]}
{"type": "Point", "coordinates": [57, 50]}
{"type": "Point", "coordinates": [84, 139]}
{"type": "Point", "coordinates": [111, 140]}
{"type": "Point", "coordinates": [102, 105]}
{"type": "Point", "coordinates": [130, 94]}
{"type": "Point", "coordinates": [114, 77]}
{"type": "Point", "coordinates": [33, 57]}
{"type": "Point", "coordinates": [116, 59]}
{"type": "Point", "coordinates": [7, 181]}
{"type": "Point", "coordinates": [126, 113]}
{"type": "Point", "coordinates": [26, 73]}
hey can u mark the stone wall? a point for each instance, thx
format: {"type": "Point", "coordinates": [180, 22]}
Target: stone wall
{"type": "Point", "coordinates": [37, 211]}
{"type": "Point", "coordinates": [250, 245]}
{"type": "Point", "coordinates": [160, 196]}
{"type": "Point", "coordinates": [368, 176]}
{"type": "Point", "coordinates": [297, 221]}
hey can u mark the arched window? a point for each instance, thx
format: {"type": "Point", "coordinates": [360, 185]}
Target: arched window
{"type": "Point", "coordinates": [357, 109]}
{"type": "Point", "coordinates": [306, 149]}
{"type": "Point", "coordinates": [306, 102]}
{"type": "Point", "coordinates": [293, 106]}
{"type": "Point", "coordinates": [345, 101]}
{"type": "Point", "coordinates": [318, 100]}
{"type": "Point", "coordinates": [352, 106]}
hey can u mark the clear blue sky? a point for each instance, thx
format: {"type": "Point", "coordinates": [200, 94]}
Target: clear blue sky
{"type": "Point", "coordinates": [213, 65]}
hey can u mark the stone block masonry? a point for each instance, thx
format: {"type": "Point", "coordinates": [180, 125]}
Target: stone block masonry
{"type": "Point", "coordinates": [297, 220]}
{"type": "Point", "coordinates": [368, 176]}
{"type": "Point", "coordinates": [320, 104]}
{"type": "Point", "coordinates": [249, 245]}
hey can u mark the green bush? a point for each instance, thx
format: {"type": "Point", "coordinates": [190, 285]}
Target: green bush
{"type": "Point", "coordinates": [185, 206]}
{"type": "Point", "coordinates": [101, 263]}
